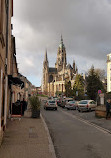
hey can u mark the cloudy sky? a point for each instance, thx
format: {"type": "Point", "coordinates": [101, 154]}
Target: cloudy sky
{"type": "Point", "coordinates": [84, 24]}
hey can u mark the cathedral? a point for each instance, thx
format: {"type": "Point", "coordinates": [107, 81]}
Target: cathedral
{"type": "Point", "coordinates": [54, 78]}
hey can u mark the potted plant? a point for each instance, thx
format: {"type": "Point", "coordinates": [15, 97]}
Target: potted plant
{"type": "Point", "coordinates": [35, 106]}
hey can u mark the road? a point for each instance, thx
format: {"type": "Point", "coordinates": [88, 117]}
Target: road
{"type": "Point", "coordinates": [75, 138]}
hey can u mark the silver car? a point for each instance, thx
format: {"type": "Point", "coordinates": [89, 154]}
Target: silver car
{"type": "Point", "coordinates": [50, 104]}
{"type": "Point", "coordinates": [86, 105]}
{"type": "Point", "coordinates": [71, 105]}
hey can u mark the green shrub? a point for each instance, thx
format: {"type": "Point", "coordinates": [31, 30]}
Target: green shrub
{"type": "Point", "coordinates": [35, 103]}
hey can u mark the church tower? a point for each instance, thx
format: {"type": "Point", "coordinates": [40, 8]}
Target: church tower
{"type": "Point", "coordinates": [61, 56]}
{"type": "Point", "coordinates": [45, 73]}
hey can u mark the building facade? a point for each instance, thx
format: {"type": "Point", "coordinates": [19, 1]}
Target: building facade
{"type": "Point", "coordinates": [109, 72]}
{"type": "Point", "coordinates": [6, 12]}
{"type": "Point", "coordinates": [54, 78]}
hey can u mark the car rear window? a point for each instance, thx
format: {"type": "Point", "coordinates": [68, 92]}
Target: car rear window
{"type": "Point", "coordinates": [83, 102]}
{"type": "Point", "coordinates": [51, 101]}
{"type": "Point", "coordinates": [72, 102]}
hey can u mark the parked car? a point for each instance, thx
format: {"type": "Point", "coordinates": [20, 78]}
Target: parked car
{"type": "Point", "coordinates": [69, 99]}
{"type": "Point", "coordinates": [86, 105]}
{"type": "Point", "coordinates": [65, 101]}
{"type": "Point", "coordinates": [59, 101]}
{"type": "Point", "coordinates": [71, 105]}
{"type": "Point", "coordinates": [50, 104]}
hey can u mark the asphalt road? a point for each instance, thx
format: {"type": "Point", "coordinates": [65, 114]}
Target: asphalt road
{"type": "Point", "coordinates": [75, 138]}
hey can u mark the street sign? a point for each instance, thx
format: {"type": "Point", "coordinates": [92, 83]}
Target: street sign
{"type": "Point", "coordinates": [99, 91]}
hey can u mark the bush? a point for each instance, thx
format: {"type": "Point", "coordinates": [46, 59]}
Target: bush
{"type": "Point", "coordinates": [34, 102]}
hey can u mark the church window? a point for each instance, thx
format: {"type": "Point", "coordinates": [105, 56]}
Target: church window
{"type": "Point", "coordinates": [50, 78]}
{"type": "Point", "coordinates": [62, 87]}
{"type": "Point", "coordinates": [59, 87]}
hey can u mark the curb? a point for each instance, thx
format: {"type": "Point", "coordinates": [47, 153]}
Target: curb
{"type": "Point", "coordinates": [51, 146]}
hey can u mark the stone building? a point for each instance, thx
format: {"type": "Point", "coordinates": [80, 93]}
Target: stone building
{"type": "Point", "coordinates": [109, 72]}
{"type": "Point", "coordinates": [6, 12]}
{"type": "Point", "coordinates": [11, 83]}
{"type": "Point", "coordinates": [54, 78]}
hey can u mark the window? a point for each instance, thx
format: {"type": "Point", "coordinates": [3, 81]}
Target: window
{"type": "Point", "coordinates": [2, 22]}
{"type": "Point", "coordinates": [51, 101]}
{"type": "Point", "coordinates": [1, 16]}
{"type": "Point", "coordinates": [92, 102]}
{"type": "Point", "coordinates": [83, 102]}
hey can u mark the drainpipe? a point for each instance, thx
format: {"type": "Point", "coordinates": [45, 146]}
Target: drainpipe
{"type": "Point", "coordinates": [6, 63]}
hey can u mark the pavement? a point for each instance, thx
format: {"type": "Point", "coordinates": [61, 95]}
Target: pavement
{"type": "Point", "coordinates": [27, 138]}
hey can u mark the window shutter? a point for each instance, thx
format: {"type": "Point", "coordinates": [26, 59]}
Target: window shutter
{"type": "Point", "coordinates": [2, 2]}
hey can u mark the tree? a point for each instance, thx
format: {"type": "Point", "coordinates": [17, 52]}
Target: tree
{"type": "Point", "coordinates": [79, 86]}
{"type": "Point", "coordinates": [68, 89]}
{"type": "Point", "coordinates": [93, 84]}
{"type": "Point", "coordinates": [100, 73]}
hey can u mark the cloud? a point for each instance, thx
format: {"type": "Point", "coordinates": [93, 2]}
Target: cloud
{"type": "Point", "coordinates": [85, 26]}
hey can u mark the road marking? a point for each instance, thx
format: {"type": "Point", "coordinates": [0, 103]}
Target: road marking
{"type": "Point", "coordinates": [106, 131]}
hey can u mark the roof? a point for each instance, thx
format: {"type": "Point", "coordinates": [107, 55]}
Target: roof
{"type": "Point", "coordinates": [69, 66]}
{"type": "Point", "coordinates": [51, 69]}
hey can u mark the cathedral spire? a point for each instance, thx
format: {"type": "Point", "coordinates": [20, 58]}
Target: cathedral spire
{"type": "Point", "coordinates": [76, 70]}
{"type": "Point", "coordinates": [61, 39]}
{"type": "Point", "coordinates": [46, 59]}
{"type": "Point", "coordinates": [73, 66]}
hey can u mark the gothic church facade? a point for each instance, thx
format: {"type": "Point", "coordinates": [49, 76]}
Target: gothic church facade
{"type": "Point", "coordinates": [54, 78]}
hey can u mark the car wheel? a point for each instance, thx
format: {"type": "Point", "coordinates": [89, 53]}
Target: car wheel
{"type": "Point", "coordinates": [78, 110]}
{"type": "Point", "coordinates": [90, 109]}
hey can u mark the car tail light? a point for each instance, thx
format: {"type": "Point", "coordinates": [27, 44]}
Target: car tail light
{"type": "Point", "coordinates": [56, 103]}
{"type": "Point", "coordinates": [87, 106]}
{"type": "Point", "coordinates": [46, 104]}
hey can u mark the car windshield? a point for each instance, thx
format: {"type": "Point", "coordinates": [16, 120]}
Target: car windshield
{"type": "Point", "coordinates": [83, 102]}
{"type": "Point", "coordinates": [51, 101]}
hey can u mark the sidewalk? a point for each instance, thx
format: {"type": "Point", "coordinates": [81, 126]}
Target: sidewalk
{"type": "Point", "coordinates": [25, 138]}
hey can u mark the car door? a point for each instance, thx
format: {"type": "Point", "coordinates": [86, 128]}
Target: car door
{"type": "Point", "coordinates": [90, 104]}
{"type": "Point", "coordinates": [93, 104]}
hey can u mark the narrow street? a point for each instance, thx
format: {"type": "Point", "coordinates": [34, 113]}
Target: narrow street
{"type": "Point", "coordinates": [73, 138]}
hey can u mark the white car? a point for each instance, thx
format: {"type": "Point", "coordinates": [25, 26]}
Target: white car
{"type": "Point", "coordinates": [86, 105]}
{"type": "Point", "coordinates": [71, 105]}
{"type": "Point", "coordinates": [50, 104]}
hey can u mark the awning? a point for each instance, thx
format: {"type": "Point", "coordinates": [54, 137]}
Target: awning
{"type": "Point", "coordinates": [15, 81]}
